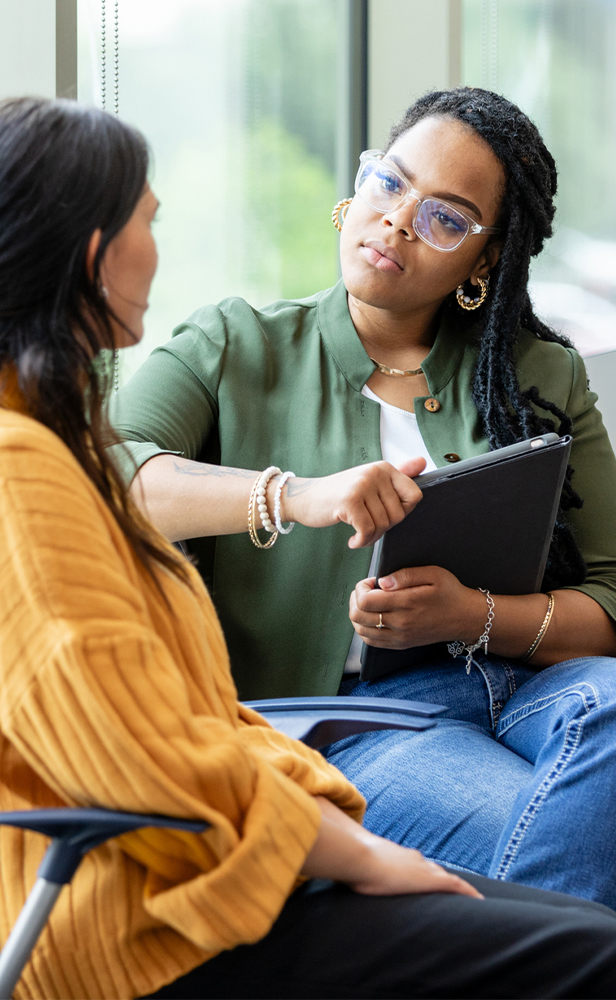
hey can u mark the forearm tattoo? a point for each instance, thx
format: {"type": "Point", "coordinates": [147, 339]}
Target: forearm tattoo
{"type": "Point", "coordinates": [218, 471]}
{"type": "Point", "coordinates": [297, 486]}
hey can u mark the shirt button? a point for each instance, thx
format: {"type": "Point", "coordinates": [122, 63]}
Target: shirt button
{"type": "Point", "coordinates": [451, 457]}
{"type": "Point", "coordinates": [432, 405]}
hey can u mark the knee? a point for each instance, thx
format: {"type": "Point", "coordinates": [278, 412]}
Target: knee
{"type": "Point", "coordinates": [593, 678]}
{"type": "Point", "coordinates": [579, 693]}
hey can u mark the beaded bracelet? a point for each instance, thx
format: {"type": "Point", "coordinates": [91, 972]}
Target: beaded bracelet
{"type": "Point", "coordinates": [277, 501]}
{"type": "Point", "coordinates": [258, 502]}
{"type": "Point", "coordinates": [261, 500]}
{"type": "Point", "coordinates": [541, 633]}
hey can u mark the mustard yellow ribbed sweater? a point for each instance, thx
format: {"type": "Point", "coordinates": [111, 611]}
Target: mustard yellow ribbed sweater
{"type": "Point", "coordinates": [109, 698]}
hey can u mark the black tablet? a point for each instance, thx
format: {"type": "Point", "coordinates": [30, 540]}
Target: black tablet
{"type": "Point", "coordinates": [488, 520]}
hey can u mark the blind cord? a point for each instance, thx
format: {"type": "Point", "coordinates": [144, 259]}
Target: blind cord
{"type": "Point", "coordinates": [116, 106]}
{"type": "Point", "coordinates": [116, 56]}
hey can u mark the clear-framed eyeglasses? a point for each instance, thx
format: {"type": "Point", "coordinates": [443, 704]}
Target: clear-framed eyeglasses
{"type": "Point", "coordinates": [381, 186]}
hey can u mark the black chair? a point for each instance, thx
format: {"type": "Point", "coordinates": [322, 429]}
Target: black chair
{"type": "Point", "coordinates": [74, 832]}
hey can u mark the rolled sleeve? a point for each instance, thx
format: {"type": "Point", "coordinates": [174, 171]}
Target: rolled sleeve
{"type": "Point", "coordinates": [168, 406]}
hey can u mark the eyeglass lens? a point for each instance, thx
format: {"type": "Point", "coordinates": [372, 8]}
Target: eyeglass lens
{"type": "Point", "coordinates": [437, 223]}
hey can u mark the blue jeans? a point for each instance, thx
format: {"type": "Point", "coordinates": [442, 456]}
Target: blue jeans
{"type": "Point", "coordinates": [517, 780]}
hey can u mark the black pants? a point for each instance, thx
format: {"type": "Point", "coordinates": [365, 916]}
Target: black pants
{"type": "Point", "coordinates": [330, 942]}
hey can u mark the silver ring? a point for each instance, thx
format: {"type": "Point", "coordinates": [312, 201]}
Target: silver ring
{"type": "Point", "coordinates": [380, 625]}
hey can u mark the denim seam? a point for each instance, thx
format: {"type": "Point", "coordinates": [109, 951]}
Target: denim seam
{"type": "Point", "coordinates": [493, 701]}
{"type": "Point", "coordinates": [532, 809]}
{"type": "Point", "coordinates": [537, 706]}
{"type": "Point", "coordinates": [510, 675]}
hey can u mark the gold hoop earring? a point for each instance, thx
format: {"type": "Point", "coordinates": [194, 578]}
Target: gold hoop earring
{"type": "Point", "coordinates": [339, 212]}
{"type": "Point", "coordinates": [465, 301]}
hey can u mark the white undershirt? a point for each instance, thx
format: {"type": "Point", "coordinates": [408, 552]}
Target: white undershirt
{"type": "Point", "coordinates": [400, 440]}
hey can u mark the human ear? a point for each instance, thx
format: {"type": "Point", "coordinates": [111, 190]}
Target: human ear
{"type": "Point", "coordinates": [93, 245]}
{"type": "Point", "coordinates": [486, 261]}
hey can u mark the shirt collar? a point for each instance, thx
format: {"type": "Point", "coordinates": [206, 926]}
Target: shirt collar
{"type": "Point", "coordinates": [447, 352]}
{"type": "Point", "coordinates": [341, 337]}
{"type": "Point", "coordinates": [347, 350]}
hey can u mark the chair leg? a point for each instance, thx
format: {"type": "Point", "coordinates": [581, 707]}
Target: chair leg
{"type": "Point", "coordinates": [25, 933]}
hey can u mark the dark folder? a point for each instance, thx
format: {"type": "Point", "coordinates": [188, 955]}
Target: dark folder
{"type": "Point", "coordinates": [488, 520]}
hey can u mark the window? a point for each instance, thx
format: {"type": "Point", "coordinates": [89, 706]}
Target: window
{"type": "Point", "coordinates": [238, 103]}
{"type": "Point", "coordinates": [555, 59]}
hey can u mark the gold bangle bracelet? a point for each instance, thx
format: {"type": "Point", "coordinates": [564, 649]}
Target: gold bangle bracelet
{"type": "Point", "coordinates": [541, 633]}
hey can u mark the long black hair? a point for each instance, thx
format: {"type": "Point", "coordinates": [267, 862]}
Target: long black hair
{"type": "Point", "coordinates": [525, 222]}
{"type": "Point", "coordinates": [65, 171]}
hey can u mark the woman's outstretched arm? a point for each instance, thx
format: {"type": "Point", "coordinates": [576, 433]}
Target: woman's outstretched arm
{"type": "Point", "coordinates": [186, 499]}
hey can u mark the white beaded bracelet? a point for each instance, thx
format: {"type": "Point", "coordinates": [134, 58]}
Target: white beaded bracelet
{"type": "Point", "coordinates": [269, 473]}
{"type": "Point", "coordinates": [277, 501]}
{"type": "Point", "coordinates": [257, 500]}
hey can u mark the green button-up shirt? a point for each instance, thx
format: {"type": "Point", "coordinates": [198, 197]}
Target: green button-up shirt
{"type": "Point", "coordinates": [282, 386]}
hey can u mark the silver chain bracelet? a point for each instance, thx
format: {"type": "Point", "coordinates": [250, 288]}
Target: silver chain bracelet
{"type": "Point", "coordinates": [457, 648]}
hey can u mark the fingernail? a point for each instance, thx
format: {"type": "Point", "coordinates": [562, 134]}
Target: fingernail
{"type": "Point", "coordinates": [387, 582]}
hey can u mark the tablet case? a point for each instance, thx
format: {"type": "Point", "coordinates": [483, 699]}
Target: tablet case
{"type": "Point", "coordinates": [488, 520]}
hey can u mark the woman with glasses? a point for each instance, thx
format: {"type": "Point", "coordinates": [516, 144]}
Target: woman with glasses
{"type": "Point", "coordinates": [427, 351]}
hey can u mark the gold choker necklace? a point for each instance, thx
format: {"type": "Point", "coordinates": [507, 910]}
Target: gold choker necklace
{"type": "Point", "coordinates": [397, 372]}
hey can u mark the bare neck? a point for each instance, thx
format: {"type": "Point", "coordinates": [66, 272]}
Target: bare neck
{"type": "Point", "coordinates": [391, 337]}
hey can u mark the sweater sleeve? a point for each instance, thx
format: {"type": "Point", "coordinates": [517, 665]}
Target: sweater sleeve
{"type": "Point", "coordinates": [96, 704]}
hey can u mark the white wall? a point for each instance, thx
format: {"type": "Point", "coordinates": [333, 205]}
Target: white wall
{"type": "Point", "coordinates": [601, 370]}
{"type": "Point", "coordinates": [413, 46]}
{"type": "Point", "coordinates": [27, 48]}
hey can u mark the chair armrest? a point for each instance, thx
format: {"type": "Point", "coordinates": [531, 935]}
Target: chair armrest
{"type": "Point", "coordinates": [74, 832]}
{"type": "Point", "coordinates": [318, 721]}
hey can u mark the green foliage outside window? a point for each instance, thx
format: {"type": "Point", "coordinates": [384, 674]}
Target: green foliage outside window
{"type": "Point", "coordinates": [238, 103]}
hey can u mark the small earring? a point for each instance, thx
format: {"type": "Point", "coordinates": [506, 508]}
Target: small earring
{"type": "Point", "coordinates": [339, 212]}
{"type": "Point", "coordinates": [104, 292]}
{"type": "Point", "coordinates": [465, 301]}
{"type": "Point", "coordinates": [116, 370]}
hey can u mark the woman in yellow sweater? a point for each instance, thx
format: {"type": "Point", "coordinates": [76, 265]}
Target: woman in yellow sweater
{"type": "Point", "coordinates": [116, 690]}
